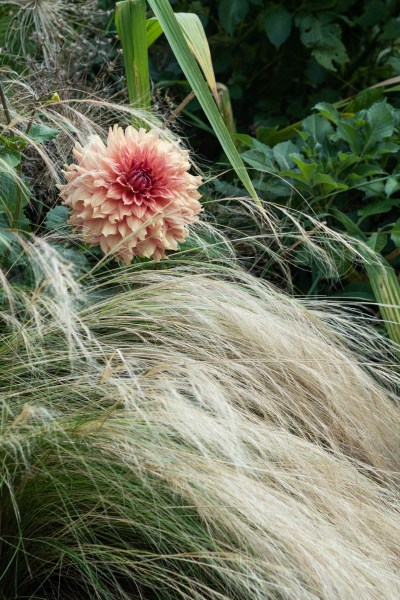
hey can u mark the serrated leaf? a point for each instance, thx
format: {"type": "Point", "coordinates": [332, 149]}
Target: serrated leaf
{"type": "Point", "coordinates": [386, 148]}
{"type": "Point", "coordinates": [56, 217]}
{"type": "Point", "coordinates": [260, 157]}
{"type": "Point", "coordinates": [327, 55]}
{"type": "Point", "coordinates": [380, 121]}
{"type": "Point", "coordinates": [231, 13]}
{"type": "Point", "coordinates": [277, 24]}
{"type": "Point", "coordinates": [74, 257]}
{"type": "Point", "coordinates": [12, 159]}
{"type": "Point", "coordinates": [363, 171]}
{"type": "Point", "coordinates": [348, 133]}
{"type": "Point", "coordinates": [282, 152]}
{"type": "Point", "coordinates": [42, 133]}
{"type": "Point", "coordinates": [317, 127]}
{"type": "Point", "coordinates": [323, 37]}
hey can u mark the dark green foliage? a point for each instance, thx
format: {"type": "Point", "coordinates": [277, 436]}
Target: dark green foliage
{"type": "Point", "coordinates": [280, 58]}
{"type": "Point", "coordinates": [341, 167]}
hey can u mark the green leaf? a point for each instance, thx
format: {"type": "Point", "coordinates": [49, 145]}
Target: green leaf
{"type": "Point", "coordinates": [365, 170]}
{"type": "Point", "coordinates": [328, 111]}
{"type": "Point", "coordinates": [387, 148]}
{"type": "Point", "coordinates": [282, 152]}
{"type": "Point", "coordinates": [357, 291]}
{"type": "Point", "coordinates": [346, 160]}
{"type": "Point", "coordinates": [231, 13]}
{"type": "Point", "coordinates": [42, 133]}
{"type": "Point", "coordinates": [225, 108]}
{"type": "Point", "coordinates": [153, 31]}
{"type": "Point", "coordinates": [277, 24]}
{"type": "Point", "coordinates": [56, 217]}
{"type": "Point", "coordinates": [307, 169]}
{"type": "Point", "coordinates": [318, 33]}
{"type": "Point", "coordinates": [328, 183]}
{"type": "Point", "coordinates": [243, 138]}
{"type": "Point", "coordinates": [395, 234]}
{"type": "Point", "coordinates": [317, 127]}
{"type": "Point", "coordinates": [391, 186]}
{"type": "Point", "coordinates": [380, 119]}
{"type": "Point", "coordinates": [351, 135]}
{"type": "Point", "coordinates": [196, 39]}
{"type": "Point", "coordinates": [271, 135]}
{"type": "Point", "coordinates": [378, 207]}
{"type": "Point", "coordinates": [191, 70]}
{"type": "Point", "coordinates": [10, 158]}
{"type": "Point", "coordinates": [260, 157]}
{"type": "Point", "coordinates": [14, 194]}
{"type": "Point", "coordinates": [365, 99]}
{"type": "Point", "coordinates": [75, 257]}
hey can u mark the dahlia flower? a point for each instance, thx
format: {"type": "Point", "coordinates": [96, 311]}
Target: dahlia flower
{"type": "Point", "coordinates": [133, 195]}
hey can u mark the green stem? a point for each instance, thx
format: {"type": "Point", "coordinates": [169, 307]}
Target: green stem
{"type": "Point", "coordinates": [130, 20]}
{"type": "Point", "coordinates": [5, 105]}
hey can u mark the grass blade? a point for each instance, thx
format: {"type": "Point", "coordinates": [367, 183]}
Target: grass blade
{"type": "Point", "coordinates": [153, 31]}
{"type": "Point", "coordinates": [191, 70]}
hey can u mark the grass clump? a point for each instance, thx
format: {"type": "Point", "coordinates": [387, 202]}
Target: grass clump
{"type": "Point", "coordinates": [191, 433]}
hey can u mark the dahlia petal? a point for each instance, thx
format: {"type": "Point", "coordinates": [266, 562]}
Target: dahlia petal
{"type": "Point", "coordinates": [113, 241]}
{"type": "Point", "coordinates": [109, 228]}
{"type": "Point", "coordinates": [98, 198]}
{"type": "Point", "coordinates": [109, 206]}
{"type": "Point", "coordinates": [147, 248]}
{"type": "Point", "coordinates": [94, 227]}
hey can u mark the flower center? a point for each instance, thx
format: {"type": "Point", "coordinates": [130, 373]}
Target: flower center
{"type": "Point", "coordinates": [139, 179]}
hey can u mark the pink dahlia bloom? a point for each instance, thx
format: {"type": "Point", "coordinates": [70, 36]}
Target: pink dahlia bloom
{"type": "Point", "coordinates": [133, 195]}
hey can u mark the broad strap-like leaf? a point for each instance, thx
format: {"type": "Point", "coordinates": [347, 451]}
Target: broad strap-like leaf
{"type": "Point", "coordinates": [196, 39]}
{"type": "Point", "coordinates": [386, 288]}
{"type": "Point", "coordinates": [191, 70]}
{"type": "Point", "coordinates": [130, 20]}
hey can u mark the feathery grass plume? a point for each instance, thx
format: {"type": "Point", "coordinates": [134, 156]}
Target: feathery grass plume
{"type": "Point", "coordinates": [40, 29]}
{"type": "Point", "coordinates": [192, 433]}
